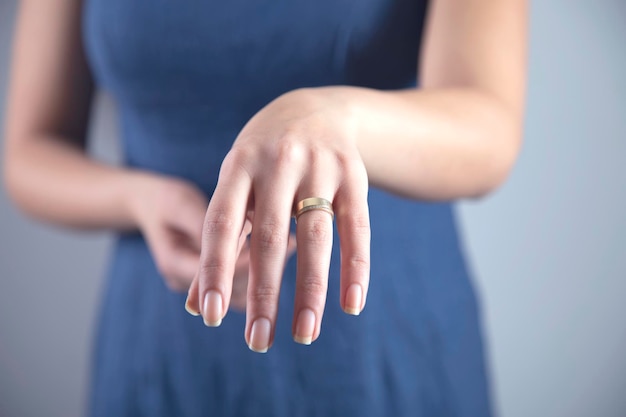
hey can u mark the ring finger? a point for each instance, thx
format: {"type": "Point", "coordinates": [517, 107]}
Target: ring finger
{"type": "Point", "coordinates": [314, 234]}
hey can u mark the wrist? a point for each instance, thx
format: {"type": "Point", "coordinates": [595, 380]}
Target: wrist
{"type": "Point", "coordinates": [339, 103]}
{"type": "Point", "coordinates": [138, 190]}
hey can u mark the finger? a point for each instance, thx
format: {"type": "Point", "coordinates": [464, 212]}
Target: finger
{"type": "Point", "coordinates": [189, 220]}
{"type": "Point", "coordinates": [222, 229]}
{"type": "Point", "coordinates": [191, 305]}
{"type": "Point", "coordinates": [243, 237]}
{"type": "Point", "coordinates": [243, 261]}
{"type": "Point", "coordinates": [268, 247]}
{"type": "Point", "coordinates": [242, 267]}
{"type": "Point", "coordinates": [240, 280]}
{"type": "Point", "coordinates": [292, 245]}
{"type": "Point", "coordinates": [353, 226]}
{"type": "Point", "coordinates": [314, 235]}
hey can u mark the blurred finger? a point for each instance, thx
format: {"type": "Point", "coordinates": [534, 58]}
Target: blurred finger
{"type": "Point", "coordinates": [191, 305]}
{"type": "Point", "coordinates": [243, 237]}
{"type": "Point", "coordinates": [292, 245]}
{"type": "Point", "coordinates": [188, 214]}
{"type": "Point", "coordinates": [175, 260]}
{"type": "Point", "coordinates": [178, 267]}
{"type": "Point", "coordinates": [240, 279]}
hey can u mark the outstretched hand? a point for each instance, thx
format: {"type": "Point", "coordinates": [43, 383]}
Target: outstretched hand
{"type": "Point", "coordinates": [299, 146]}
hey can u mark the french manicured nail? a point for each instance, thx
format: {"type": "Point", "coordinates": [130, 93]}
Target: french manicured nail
{"type": "Point", "coordinates": [260, 335]}
{"type": "Point", "coordinates": [305, 326]}
{"type": "Point", "coordinates": [212, 309]}
{"type": "Point", "coordinates": [354, 297]}
{"type": "Point", "coordinates": [191, 310]}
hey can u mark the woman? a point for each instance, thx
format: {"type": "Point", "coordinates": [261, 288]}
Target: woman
{"type": "Point", "coordinates": [272, 109]}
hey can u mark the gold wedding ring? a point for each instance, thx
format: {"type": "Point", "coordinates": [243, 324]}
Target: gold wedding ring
{"type": "Point", "coordinates": [314, 203]}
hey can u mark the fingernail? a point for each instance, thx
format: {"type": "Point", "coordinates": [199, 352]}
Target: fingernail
{"type": "Point", "coordinates": [190, 309]}
{"type": "Point", "coordinates": [260, 335]}
{"type": "Point", "coordinates": [305, 326]}
{"type": "Point", "coordinates": [354, 296]}
{"type": "Point", "coordinates": [212, 313]}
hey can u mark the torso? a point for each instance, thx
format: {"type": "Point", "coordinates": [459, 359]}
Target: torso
{"type": "Point", "coordinates": [186, 76]}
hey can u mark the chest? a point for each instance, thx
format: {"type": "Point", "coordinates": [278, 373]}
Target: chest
{"type": "Point", "coordinates": [154, 50]}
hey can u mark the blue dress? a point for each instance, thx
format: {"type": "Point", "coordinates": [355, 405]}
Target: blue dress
{"type": "Point", "coordinates": [186, 76]}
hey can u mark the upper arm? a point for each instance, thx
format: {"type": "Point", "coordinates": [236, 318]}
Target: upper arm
{"type": "Point", "coordinates": [50, 84]}
{"type": "Point", "coordinates": [478, 44]}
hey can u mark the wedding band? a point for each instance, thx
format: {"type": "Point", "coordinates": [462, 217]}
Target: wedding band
{"type": "Point", "coordinates": [314, 203]}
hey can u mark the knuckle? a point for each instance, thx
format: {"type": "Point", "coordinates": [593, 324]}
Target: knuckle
{"type": "Point", "coordinates": [212, 267]}
{"type": "Point", "coordinates": [313, 286]}
{"type": "Point", "coordinates": [360, 226]}
{"type": "Point", "coordinates": [317, 232]}
{"type": "Point", "coordinates": [348, 161]}
{"type": "Point", "coordinates": [321, 157]}
{"type": "Point", "coordinates": [288, 151]}
{"type": "Point", "coordinates": [359, 263]}
{"type": "Point", "coordinates": [264, 294]}
{"type": "Point", "coordinates": [344, 160]}
{"type": "Point", "coordinates": [270, 237]}
{"type": "Point", "coordinates": [235, 161]}
{"type": "Point", "coordinates": [219, 223]}
{"type": "Point", "coordinates": [354, 168]}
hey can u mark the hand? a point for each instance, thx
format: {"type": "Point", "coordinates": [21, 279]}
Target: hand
{"type": "Point", "coordinates": [300, 145]}
{"type": "Point", "coordinates": [170, 212]}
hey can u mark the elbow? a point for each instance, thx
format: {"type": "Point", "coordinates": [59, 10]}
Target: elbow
{"type": "Point", "coordinates": [14, 182]}
{"type": "Point", "coordinates": [505, 147]}
{"type": "Point", "coordinates": [495, 177]}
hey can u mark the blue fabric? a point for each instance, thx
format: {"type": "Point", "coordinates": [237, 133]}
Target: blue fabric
{"type": "Point", "coordinates": [186, 76]}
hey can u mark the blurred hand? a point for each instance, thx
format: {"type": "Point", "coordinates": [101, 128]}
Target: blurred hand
{"type": "Point", "coordinates": [301, 145]}
{"type": "Point", "coordinates": [169, 213]}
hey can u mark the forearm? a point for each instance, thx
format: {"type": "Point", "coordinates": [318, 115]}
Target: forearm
{"type": "Point", "coordinates": [56, 182]}
{"type": "Point", "coordinates": [432, 144]}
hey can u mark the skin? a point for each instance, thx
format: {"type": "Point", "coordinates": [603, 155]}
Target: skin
{"type": "Point", "coordinates": [456, 137]}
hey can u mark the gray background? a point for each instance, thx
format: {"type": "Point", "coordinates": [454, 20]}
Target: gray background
{"type": "Point", "coordinates": [548, 249]}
